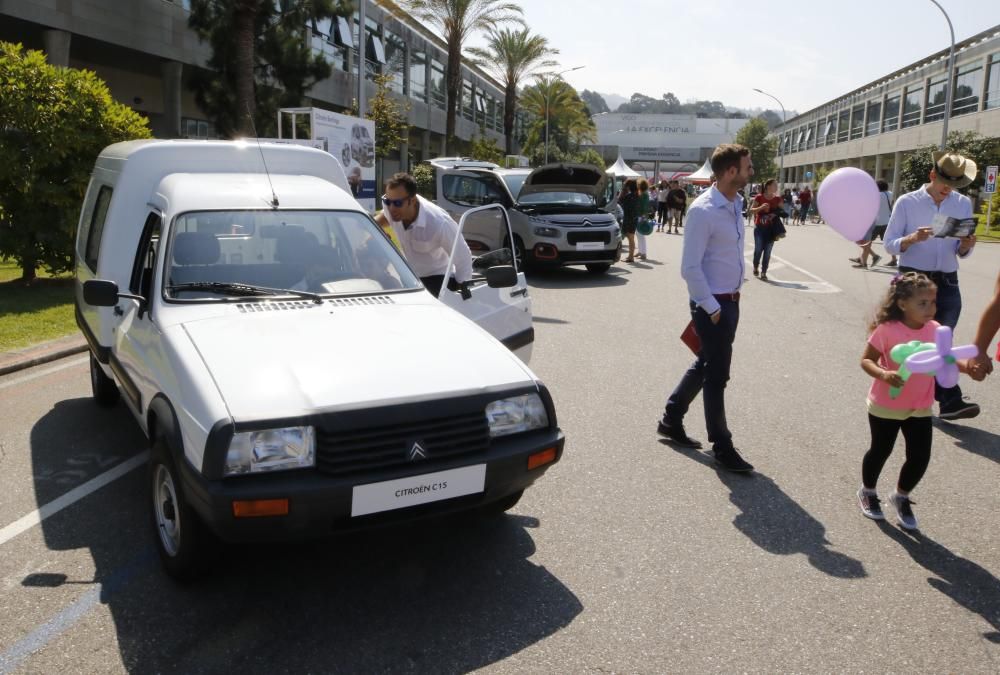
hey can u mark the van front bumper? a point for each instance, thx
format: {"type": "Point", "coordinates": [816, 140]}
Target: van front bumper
{"type": "Point", "coordinates": [320, 505]}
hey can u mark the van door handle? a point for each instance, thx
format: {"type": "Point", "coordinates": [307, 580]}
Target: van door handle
{"type": "Point", "coordinates": [520, 291]}
{"type": "Point", "coordinates": [118, 311]}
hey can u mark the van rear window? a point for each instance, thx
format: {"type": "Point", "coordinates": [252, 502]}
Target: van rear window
{"type": "Point", "coordinates": [96, 230]}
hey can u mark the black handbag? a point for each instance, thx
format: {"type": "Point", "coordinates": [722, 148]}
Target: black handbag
{"type": "Point", "coordinates": [777, 229]}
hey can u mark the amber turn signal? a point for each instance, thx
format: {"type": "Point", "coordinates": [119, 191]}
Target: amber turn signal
{"type": "Point", "coordinates": [541, 458]}
{"type": "Point", "coordinates": [253, 508]}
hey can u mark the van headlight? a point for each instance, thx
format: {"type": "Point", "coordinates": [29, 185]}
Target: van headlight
{"type": "Point", "coordinates": [516, 414]}
{"type": "Point", "coordinates": [546, 232]}
{"type": "Point", "coordinates": [271, 450]}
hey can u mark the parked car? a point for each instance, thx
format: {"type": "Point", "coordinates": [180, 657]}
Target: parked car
{"type": "Point", "coordinates": [362, 146]}
{"type": "Point", "coordinates": [558, 211]}
{"type": "Point", "coordinates": [292, 374]}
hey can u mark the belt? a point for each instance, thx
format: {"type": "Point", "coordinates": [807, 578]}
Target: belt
{"type": "Point", "coordinates": [731, 297]}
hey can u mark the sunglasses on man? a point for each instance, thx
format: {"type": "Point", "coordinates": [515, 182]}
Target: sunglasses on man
{"type": "Point", "coordinates": [395, 203]}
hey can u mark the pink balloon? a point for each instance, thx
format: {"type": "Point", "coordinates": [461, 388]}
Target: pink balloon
{"type": "Point", "coordinates": [848, 202]}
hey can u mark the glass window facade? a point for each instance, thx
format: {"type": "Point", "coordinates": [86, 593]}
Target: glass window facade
{"type": "Point", "coordinates": [935, 101]}
{"type": "Point", "coordinates": [418, 75]}
{"type": "Point", "coordinates": [844, 126]}
{"type": "Point", "coordinates": [968, 84]}
{"type": "Point", "coordinates": [438, 91]}
{"type": "Point", "coordinates": [911, 106]}
{"type": "Point", "coordinates": [857, 122]}
{"type": "Point", "coordinates": [810, 137]}
{"type": "Point", "coordinates": [499, 117]}
{"type": "Point", "coordinates": [890, 120]}
{"type": "Point", "coordinates": [395, 60]}
{"type": "Point", "coordinates": [466, 99]}
{"type": "Point", "coordinates": [374, 51]}
{"type": "Point", "coordinates": [873, 118]}
{"type": "Point", "coordinates": [993, 84]}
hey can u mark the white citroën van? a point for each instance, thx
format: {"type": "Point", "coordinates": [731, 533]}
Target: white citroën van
{"type": "Point", "coordinates": [291, 372]}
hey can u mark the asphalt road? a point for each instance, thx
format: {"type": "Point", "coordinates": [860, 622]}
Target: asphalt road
{"type": "Point", "coordinates": [629, 556]}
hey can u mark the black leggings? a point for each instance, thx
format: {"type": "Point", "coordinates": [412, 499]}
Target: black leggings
{"type": "Point", "coordinates": [917, 432]}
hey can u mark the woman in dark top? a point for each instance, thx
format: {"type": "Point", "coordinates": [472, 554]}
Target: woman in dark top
{"type": "Point", "coordinates": [763, 208]}
{"type": "Point", "coordinates": [629, 201]}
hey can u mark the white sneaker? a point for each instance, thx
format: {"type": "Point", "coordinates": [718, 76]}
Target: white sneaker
{"type": "Point", "coordinates": [870, 505]}
{"type": "Point", "coordinates": [904, 512]}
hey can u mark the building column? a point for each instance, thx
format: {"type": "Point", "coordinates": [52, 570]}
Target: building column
{"type": "Point", "coordinates": [172, 89]}
{"type": "Point", "coordinates": [56, 46]}
{"type": "Point", "coordinates": [878, 167]}
{"type": "Point", "coordinates": [897, 161]}
{"type": "Point", "coordinates": [404, 156]}
{"type": "Point", "coordinates": [425, 145]}
{"type": "Point", "coordinates": [444, 146]}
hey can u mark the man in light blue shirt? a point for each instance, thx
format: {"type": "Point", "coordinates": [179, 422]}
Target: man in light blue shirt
{"type": "Point", "coordinates": [713, 267]}
{"type": "Point", "coordinates": [911, 237]}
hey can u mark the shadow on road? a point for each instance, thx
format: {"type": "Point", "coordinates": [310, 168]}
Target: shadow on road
{"type": "Point", "coordinates": [577, 277]}
{"type": "Point", "coordinates": [776, 523]}
{"type": "Point", "coordinates": [960, 579]}
{"type": "Point", "coordinates": [448, 595]}
{"type": "Point", "coordinates": [986, 444]}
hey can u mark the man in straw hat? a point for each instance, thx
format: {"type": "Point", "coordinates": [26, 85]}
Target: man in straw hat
{"type": "Point", "coordinates": [911, 237]}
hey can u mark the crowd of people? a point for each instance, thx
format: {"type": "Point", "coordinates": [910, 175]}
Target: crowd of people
{"type": "Point", "coordinates": [650, 208]}
{"type": "Point", "coordinates": [922, 297]}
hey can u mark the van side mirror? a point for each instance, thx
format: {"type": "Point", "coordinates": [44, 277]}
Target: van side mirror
{"type": "Point", "coordinates": [100, 293]}
{"type": "Point", "coordinates": [501, 276]}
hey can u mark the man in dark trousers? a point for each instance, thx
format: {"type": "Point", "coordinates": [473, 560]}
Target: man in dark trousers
{"type": "Point", "coordinates": [676, 205]}
{"type": "Point", "coordinates": [712, 265]}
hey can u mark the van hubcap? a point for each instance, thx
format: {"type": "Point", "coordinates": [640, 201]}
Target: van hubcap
{"type": "Point", "coordinates": [168, 523]}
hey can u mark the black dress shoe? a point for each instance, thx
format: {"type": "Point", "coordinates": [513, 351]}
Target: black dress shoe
{"type": "Point", "coordinates": [730, 460]}
{"type": "Point", "coordinates": [675, 433]}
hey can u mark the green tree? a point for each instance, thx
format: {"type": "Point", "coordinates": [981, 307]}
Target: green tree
{"type": "Point", "coordinates": [457, 20]}
{"type": "Point", "coordinates": [261, 58]}
{"type": "Point", "coordinates": [569, 121]}
{"type": "Point", "coordinates": [510, 55]}
{"type": "Point", "coordinates": [53, 124]}
{"type": "Point", "coordinates": [392, 127]}
{"type": "Point", "coordinates": [917, 165]}
{"type": "Point", "coordinates": [486, 149]}
{"type": "Point", "coordinates": [594, 102]}
{"type": "Point", "coordinates": [763, 147]}
{"type": "Point", "coordinates": [994, 213]}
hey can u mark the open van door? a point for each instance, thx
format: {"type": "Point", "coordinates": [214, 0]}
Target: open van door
{"type": "Point", "coordinates": [499, 302]}
{"type": "Point", "coordinates": [462, 191]}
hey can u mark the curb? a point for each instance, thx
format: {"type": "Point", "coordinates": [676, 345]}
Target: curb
{"type": "Point", "coordinates": [40, 354]}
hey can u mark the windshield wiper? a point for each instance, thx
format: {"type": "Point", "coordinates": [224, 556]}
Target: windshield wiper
{"type": "Point", "coordinates": [242, 289]}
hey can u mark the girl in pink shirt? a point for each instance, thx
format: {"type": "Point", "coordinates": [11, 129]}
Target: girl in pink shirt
{"type": "Point", "coordinates": [906, 315]}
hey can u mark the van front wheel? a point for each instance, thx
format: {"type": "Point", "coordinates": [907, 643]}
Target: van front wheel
{"type": "Point", "coordinates": [184, 544]}
{"type": "Point", "coordinates": [103, 387]}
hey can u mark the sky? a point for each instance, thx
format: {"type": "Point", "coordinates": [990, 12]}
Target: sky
{"type": "Point", "coordinates": [804, 52]}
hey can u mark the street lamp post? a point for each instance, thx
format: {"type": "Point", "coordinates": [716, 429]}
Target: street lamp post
{"type": "Point", "coordinates": [781, 143]}
{"type": "Point", "coordinates": [548, 96]}
{"type": "Point", "coordinates": [951, 79]}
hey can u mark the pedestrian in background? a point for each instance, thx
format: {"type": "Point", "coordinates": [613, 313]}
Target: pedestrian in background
{"type": "Point", "coordinates": [805, 201]}
{"type": "Point", "coordinates": [789, 200]}
{"type": "Point", "coordinates": [644, 214]}
{"type": "Point", "coordinates": [877, 230]}
{"type": "Point", "coordinates": [676, 206]}
{"type": "Point", "coordinates": [628, 199]}
{"type": "Point", "coordinates": [661, 205]}
{"type": "Point", "coordinates": [764, 209]}
{"type": "Point", "coordinates": [910, 236]}
{"type": "Point", "coordinates": [712, 265]}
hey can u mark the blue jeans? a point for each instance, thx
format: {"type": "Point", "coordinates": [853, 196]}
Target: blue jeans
{"type": "Point", "coordinates": [949, 308]}
{"type": "Point", "coordinates": [708, 374]}
{"type": "Point", "coordinates": [762, 245]}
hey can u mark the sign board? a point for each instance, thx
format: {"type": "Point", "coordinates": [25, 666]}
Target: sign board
{"type": "Point", "coordinates": [352, 141]}
{"type": "Point", "coordinates": [991, 180]}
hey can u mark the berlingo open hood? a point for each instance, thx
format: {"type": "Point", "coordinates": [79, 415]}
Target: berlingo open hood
{"type": "Point", "coordinates": [583, 178]}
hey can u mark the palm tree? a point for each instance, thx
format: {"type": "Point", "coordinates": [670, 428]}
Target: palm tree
{"type": "Point", "coordinates": [567, 114]}
{"type": "Point", "coordinates": [510, 55]}
{"type": "Point", "coordinates": [457, 20]}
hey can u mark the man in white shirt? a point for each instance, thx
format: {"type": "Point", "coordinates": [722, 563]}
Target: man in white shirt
{"type": "Point", "coordinates": [427, 234]}
{"type": "Point", "coordinates": [911, 237]}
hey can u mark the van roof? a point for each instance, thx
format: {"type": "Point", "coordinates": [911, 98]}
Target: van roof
{"type": "Point", "coordinates": [242, 191]}
{"type": "Point", "coordinates": [459, 162]}
{"type": "Point", "coordinates": [163, 157]}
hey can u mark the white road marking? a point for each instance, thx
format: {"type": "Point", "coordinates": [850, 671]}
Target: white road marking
{"type": "Point", "coordinates": [76, 494]}
{"type": "Point", "coordinates": [818, 286]}
{"type": "Point", "coordinates": [42, 373]}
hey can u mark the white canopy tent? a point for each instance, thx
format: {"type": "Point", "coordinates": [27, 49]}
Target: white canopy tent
{"type": "Point", "coordinates": [702, 176]}
{"type": "Point", "coordinates": [622, 170]}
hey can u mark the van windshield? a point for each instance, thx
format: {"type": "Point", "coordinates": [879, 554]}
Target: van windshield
{"type": "Point", "coordinates": [213, 253]}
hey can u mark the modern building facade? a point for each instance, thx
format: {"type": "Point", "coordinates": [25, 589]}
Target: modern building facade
{"type": "Point", "coordinates": [874, 126]}
{"type": "Point", "coordinates": [146, 53]}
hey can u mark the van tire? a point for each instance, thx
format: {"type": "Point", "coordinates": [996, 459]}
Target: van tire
{"type": "Point", "coordinates": [598, 268]}
{"type": "Point", "coordinates": [185, 545]}
{"type": "Point", "coordinates": [103, 387]}
{"type": "Point", "coordinates": [501, 506]}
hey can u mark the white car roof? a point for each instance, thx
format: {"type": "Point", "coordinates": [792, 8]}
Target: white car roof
{"type": "Point", "coordinates": [237, 191]}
